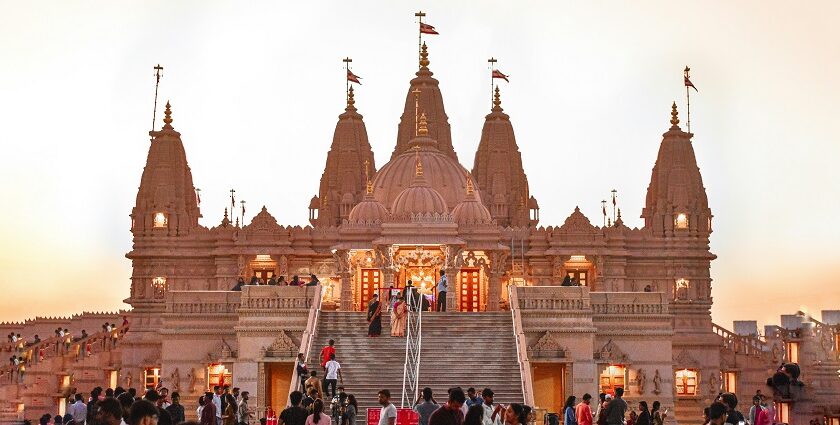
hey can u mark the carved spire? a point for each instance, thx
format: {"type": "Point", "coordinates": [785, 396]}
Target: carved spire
{"type": "Point", "coordinates": [350, 101]}
{"type": "Point", "coordinates": [470, 187]}
{"type": "Point", "coordinates": [674, 117]}
{"type": "Point", "coordinates": [418, 165]}
{"type": "Point", "coordinates": [167, 116]}
{"type": "Point", "coordinates": [369, 184]}
{"type": "Point", "coordinates": [424, 56]}
{"type": "Point", "coordinates": [422, 129]}
{"type": "Point", "coordinates": [497, 100]}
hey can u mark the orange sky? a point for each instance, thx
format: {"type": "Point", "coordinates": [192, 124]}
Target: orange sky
{"type": "Point", "coordinates": [256, 89]}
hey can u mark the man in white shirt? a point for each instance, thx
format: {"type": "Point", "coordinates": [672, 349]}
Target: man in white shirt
{"type": "Point", "coordinates": [388, 414]}
{"type": "Point", "coordinates": [79, 410]}
{"type": "Point", "coordinates": [217, 401]}
{"type": "Point", "coordinates": [333, 374]}
{"type": "Point", "coordinates": [493, 414]}
{"type": "Point", "coordinates": [442, 286]}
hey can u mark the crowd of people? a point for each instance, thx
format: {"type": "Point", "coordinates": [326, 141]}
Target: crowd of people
{"type": "Point", "coordinates": [276, 281]}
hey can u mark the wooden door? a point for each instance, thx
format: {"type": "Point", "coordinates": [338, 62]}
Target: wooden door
{"type": "Point", "coordinates": [370, 284]}
{"type": "Point", "coordinates": [470, 290]}
{"type": "Point", "coordinates": [579, 276]}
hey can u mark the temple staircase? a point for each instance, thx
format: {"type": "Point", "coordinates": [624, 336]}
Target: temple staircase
{"type": "Point", "coordinates": [458, 349]}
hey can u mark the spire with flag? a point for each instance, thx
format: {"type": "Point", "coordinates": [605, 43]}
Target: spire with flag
{"type": "Point", "coordinates": [351, 78]}
{"type": "Point", "coordinates": [495, 73]}
{"type": "Point", "coordinates": [498, 74]}
{"type": "Point", "coordinates": [424, 29]}
{"type": "Point", "coordinates": [688, 83]}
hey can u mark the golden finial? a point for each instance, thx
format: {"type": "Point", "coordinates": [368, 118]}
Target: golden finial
{"type": "Point", "coordinates": [422, 129]}
{"type": "Point", "coordinates": [674, 119]}
{"type": "Point", "coordinates": [167, 118]}
{"type": "Point", "coordinates": [369, 184]}
{"type": "Point", "coordinates": [350, 100]}
{"type": "Point", "coordinates": [470, 187]}
{"type": "Point", "coordinates": [497, 99]}
{"type": "Point", "coordinates": [416, 92]}
{"type": "Point", "coordinates": [418, 167]}
{"type": "Point", "coordinates": [424, 56]}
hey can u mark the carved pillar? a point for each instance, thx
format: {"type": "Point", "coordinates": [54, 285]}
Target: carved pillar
{"type": "Point", "coordinates": [346, 291]}
{"type": "Point", "coordinates": [494, 291]}
{"type": "Point", "coordinates": [388, 275]}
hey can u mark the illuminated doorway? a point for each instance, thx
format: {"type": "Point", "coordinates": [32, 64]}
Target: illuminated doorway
{"type": "Point", "coordinates": [614, 376]}
{"type": "Point", "coordinates": [218, 374]}
{"type": "Point", "coordinates": [151, 377]}
{"type": "Point", "coordinates": [470, 290]}
{"type": "Point", "coordinates": [371, 280]}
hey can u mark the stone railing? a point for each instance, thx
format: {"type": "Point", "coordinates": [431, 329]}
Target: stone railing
{"type": "Point", "coordinates": [740, 344]}
{"type": "Point", "coordinates": [202, 302]}
{"type": "Point", "coordinates": [278, 297]}
{"type": "Point", "coordinates": [636, 303]}
{"type": "Point", "coordinates": [514, 294]}
{"type": "Point", "coordinates": [569, 298]}
{"type": "Point", "coordinates": [308, 334]}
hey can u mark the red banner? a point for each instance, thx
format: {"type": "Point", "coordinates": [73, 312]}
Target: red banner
{"type": "Point", "coordinates": [404, 417]}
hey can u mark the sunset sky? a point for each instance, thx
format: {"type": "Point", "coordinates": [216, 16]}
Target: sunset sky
{"type": "Point", "coordinates": [256, 88]}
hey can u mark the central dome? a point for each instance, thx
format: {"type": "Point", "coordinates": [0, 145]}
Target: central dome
{"type": "Point", "coordinates": [440, 171]}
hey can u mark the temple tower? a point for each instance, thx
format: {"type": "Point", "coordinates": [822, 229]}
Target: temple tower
{"type": "Point", "coordinates": [676, 203]}
{"type": "Point", "coordinates": [498, 171]}
{"type": "Point", "coordinates": [430, 102]}
{"type": "Point", "coordinates": [343, 182]}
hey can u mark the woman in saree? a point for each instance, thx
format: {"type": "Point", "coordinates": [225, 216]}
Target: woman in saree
{"type": "Point", "coordinates": [398, 316]}
{"type": "Point", "coordinates": [374, 317]}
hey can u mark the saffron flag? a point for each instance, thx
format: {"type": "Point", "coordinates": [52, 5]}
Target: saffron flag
{"type": "Point", "coordinates": [498, 74]}
{"type": "Point", "coordinates": [689, 84]}
{"type": "Point", "coordinates": [353, 78]}
{"type": "Point", "coordinates": [427, 29]}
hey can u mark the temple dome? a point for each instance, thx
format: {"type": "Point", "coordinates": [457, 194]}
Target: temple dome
{"type": "Point", "coordinates": [471, 211]}
{"type": "Point", "coordinates": [369, 211]}
{"type": "Point", "coordinates": [442, 173]}
{"type": "Point", "coordinates": [419, 197]}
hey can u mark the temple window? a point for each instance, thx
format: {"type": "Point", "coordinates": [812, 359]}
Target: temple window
{"type": "Point", "coordinates": [792, 351]}
{"type": "Point", "coordinates": [681, 289]}
{"type": "Point", "coordinates": [686, 382]}
{"type": "Point", "coordinates": [614, 376]}
{"type": "Point", "coordinates": [151, 377]}
{"type": "Point", "coordinates": [159, 286]}
{"type": "Point", "coordinates": [681, 222]}
{"type": "Point", "coordinates": [833, 420]}
{"type": "Point", "coordinates": [159, 220]}
{"type": "Point", "coordinates": [218, 374]}
{"type": "Point", "coordinates": [783, 412]}
{"type": "Point", "coordinates": [730, 382]}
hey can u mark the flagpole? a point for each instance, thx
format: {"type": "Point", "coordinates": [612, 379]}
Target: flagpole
{"type": "Point", "coordinates": [347, 61]}
{"type": "Point", "coordinates": [157, 69]}
{"type": "Point", "coordinates": [613, 202]}
{"type": "Point", "coordinates": [492, 61]}
{"type": "Point", "coordinates": [687, 100]}
{"type": "Point", "coordinates": [419, 16]}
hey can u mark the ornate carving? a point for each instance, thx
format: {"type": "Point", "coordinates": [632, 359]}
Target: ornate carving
{"type": "Point", "coordinates": [549, 346]}
{"type": "Point", "coordinates": [577, 223]}
{"type": "Point", "coordinates": [283, 346]}
{"type": "Point", "coordinates": [657, 383]}
{"type": "Point", "coordinates": [611, 352]}
{"type": "Point", "coordinates": [263, 222]}
{"type": "Point", "coordinates": [685, 360]}
{"type": "Point", "coordinates": [641, 379]}
{"type": "Point", "coordinates": [714, 385]}
{"type": "Point", "coordinates": [176, 380]}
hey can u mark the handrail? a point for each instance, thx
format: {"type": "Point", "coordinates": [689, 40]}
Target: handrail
{"type": "Point", "coordinates": [307, 338]}
{"type": "Point", "coordinates": [521, 347]}
{"type": "Point", "coordinates": [739, 343]}
{"type": "Point", "coordinates": [413, 346]}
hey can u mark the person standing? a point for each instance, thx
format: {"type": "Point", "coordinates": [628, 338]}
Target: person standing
{"type": "Point", "coordinates": [374, 316]}
{"type": "Point", "coordinates": [657, 417]}
{"type": "Point", "coordinates": [176, 410]}
{"type": "Point", "coordinates": [569, 417]}
{"type": "Point", "coordinates": [318, 417]}
{"type": "Point", "coordinates": [644, 414]}
{"type": "Point", "coordinates": [79, 409]}
{"type": "Point", "coordinates": [313, 383]}
{"type": "Point", "coordinates": [616, 408]}
{"type": "Point", "coordinates": [493, 415]}
{"type": "Point", "coordinates": [244, 410]}
{"type": "Point", "coordinates": [388, 413]}
{"type": "Point", "coordinates": [332, 376]}
{"type": "Point", "coordinates": [442, 286]}
{"type": "Point", "coordinates": [294, 414]}
{"type": "Point", "coordinates": [302, 371]}
{"type": "Point", "coordinates": [398, 317]}
{"type": "Point", "coordinates": [450, 413]}
{"type": "Point", "coordinates": [425, 406]}
{"type": "Point", "coordinates": [733, 416]}
{"type": "Point", "coordinates": [328, 350]}
{"type": "Point", "coordinates": [217, 402]}
{"type": "Point", "coordinates": [583, 411]}
{"type": "Point", "coordinates": [231, 413]}
{"type": "Point", "coordinates": [350, 411]}
{"type": "Point", "coordinates": [208, 413]}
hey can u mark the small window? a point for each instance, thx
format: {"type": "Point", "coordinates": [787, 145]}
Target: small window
{"type": "Point", "coordinates": [681, 222]}
{"type": "Point", "coordinates": [218, 374]}
{"type": "Point", "coordinates": [151, 376]}
{"type": "Point", "coordinates": [159, 286]}
{"type": "Point", "coordinates": [730, 382]}
{"type": "Point", "coordinates": [686, 382]}
{"type": "Point", "coordinates": [681, 289]}
{"type": "Point", "coordinates": [159, 220]}
{"type": "Point", "coordinates": [792, 349]}
{"type": "Point", "coordinates": [612, 377]}
{"type": "Point", "coordinates": [784, 412]}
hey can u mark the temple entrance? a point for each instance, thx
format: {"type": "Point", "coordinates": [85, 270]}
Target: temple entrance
{"type": "Point", "coordinates": [613, 376]}
{"type": "Point", "coordinates": [264, 275]}
{"type": "Point", "coordinates": [578, 276]}
{"type": "Point", "coordinates": [371, 282]}
{"type": "Point", "coordinates": [469, 293]}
